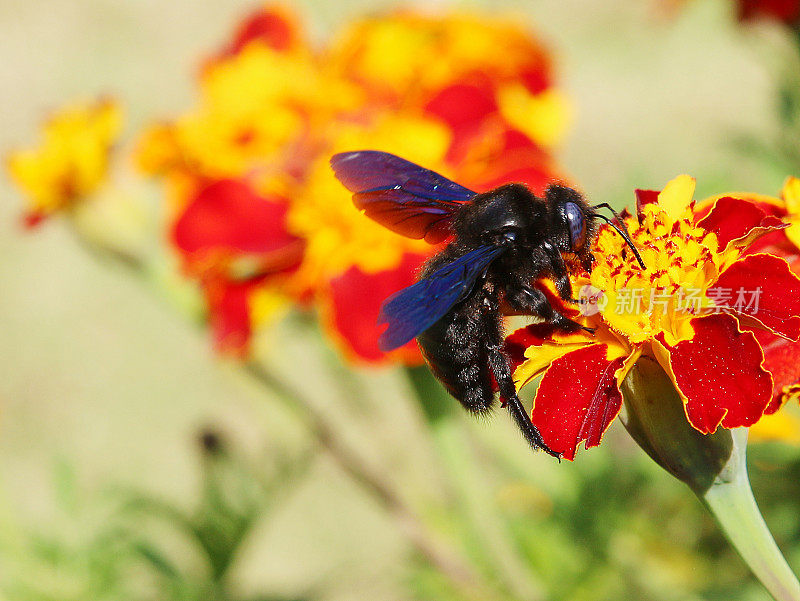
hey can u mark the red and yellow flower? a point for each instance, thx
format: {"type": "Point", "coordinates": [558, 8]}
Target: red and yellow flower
{"type": "Point", "coordinates": [271, 112]}
{"type": "Point", "coordinates": [234, 241]}
{"type": "Point", "coordinates": [72, 159]}
{"type": "Point", "coordinates": [697, 308]}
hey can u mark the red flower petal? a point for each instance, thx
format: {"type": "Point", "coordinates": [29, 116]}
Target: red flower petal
{"type": "Point", "coordinates": [787, 11]}
{"type": "Point", "coordinates": [519, 160]}
{"type": "Point", "coordinates": [518, 342]}
{"type": "Point", "coordinates": [468, 107]}
{"type": "Point", "coordinates": [782, 360]}
{"type": "Point", "coordinates": [33, 219]}
{"type": "Point", "coordinates": [513, 139]}
{"type": "Point", "coordinates": [537, 178]}
{"type": "Point", "coordinates": [577, 399]}
{"type": "Point", "coordinates": [735, 219]}
{"type": "Point", "coordinates": [229, 215]}
{"type": "Point", "coordinates": [352, 306]}
{"type": "Point", "coordinates": [271, 25]}
{"type": "Point", "coordinates": [776, 243]}
{"type": "Point", "coordinates": [536, 78]}
{"type": "Point", "coordinates": [643, 198]}
{"type": "Point", "coordinates": [768, 290]}
{"type": "Point", "coordinates": [229, 315]}
{"type": "Point", "coordinates": [718, 373]}
{"type": "Point", "coordinates": [463, 106]}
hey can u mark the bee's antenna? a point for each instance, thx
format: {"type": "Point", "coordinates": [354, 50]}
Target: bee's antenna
{"type": "Point", "coordinates": [622, 232]}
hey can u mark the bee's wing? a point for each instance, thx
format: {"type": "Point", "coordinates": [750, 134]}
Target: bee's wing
{"type": "Point", "coordinates": [403, 197]}
{"type": "Point", "coordinates": [413, 310]}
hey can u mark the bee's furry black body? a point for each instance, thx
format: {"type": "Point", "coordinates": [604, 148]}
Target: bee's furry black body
{"type": "Point", "coordinates": [465, 347]}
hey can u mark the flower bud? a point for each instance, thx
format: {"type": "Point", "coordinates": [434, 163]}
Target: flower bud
{"type": "Point", "coordinates": [654, 416]}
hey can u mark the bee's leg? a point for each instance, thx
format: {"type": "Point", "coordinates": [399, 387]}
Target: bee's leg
{"type": "Point", "coordinates": [560, 273]}
{"type": "Point", "coordinates": [499, 364]}
{"type": "Point", "coordinates": [532, 300]}
{"type": "Point", "coordinates": [587, 260]}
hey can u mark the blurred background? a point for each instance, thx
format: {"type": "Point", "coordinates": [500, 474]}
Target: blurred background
{"type": "Point", "coordinates": [125, 441]}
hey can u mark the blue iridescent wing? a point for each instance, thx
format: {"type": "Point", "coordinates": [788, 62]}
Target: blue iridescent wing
{"type": "Point", "coordinates": [413, 310]}
{"type": "Point", "coordinates": [403, 197]}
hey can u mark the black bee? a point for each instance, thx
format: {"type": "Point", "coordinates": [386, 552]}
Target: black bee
{"type": "Point", "coordinates": [503, 241]}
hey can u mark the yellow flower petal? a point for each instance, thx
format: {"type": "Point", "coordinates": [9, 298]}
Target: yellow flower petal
{"type": "Point", "coordinates": [267, 305]}
{"type": "Point", "coordinates": [539, 358]}
{"type": "Point", "coordinates": [791, 196]}
{"type": "Point", "coordinates": [783, 426]}
{"type": "Point", "coordinates": [544, 117]}
{"type": "Point", "coordinates": [322, 211]}
{"type": "Point", "coordinates": [676, 196]}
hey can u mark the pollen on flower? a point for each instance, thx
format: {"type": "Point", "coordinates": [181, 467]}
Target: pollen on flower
{"type": "Point", "coordinates": [681, 260]}
{"type": "Point", "coordinates": [731, 359]}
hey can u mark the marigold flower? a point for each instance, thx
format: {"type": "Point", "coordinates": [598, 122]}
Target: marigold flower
{"type": "Point", "coordinates": [272, 110]}
{"type": "Point", "coordinates": [71, 160]}
{"type": "Point", "coordinates": [694, 309]}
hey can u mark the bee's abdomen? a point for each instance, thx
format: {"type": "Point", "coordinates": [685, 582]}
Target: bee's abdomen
{"type": "Point", "coordinates": [455, 350]}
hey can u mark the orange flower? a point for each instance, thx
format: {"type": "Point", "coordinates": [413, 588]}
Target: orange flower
{"type": "Point", "coordinates": [694, 309]}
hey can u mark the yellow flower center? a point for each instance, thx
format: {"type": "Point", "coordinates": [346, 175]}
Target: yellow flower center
{"type": "Point", "coordinates": [682, 262]}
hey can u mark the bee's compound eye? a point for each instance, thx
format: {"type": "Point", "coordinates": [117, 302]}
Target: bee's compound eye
{"type": "Point", "coordinates": [576, 222]}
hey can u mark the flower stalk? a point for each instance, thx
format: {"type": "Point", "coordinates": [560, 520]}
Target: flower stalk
{"type": "Point", "coordinates": [730, 500]}
{"type": "Point", "coordinates": [714, 466]}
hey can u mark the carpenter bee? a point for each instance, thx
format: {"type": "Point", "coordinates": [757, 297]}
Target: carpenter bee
{"type": "Point", "coordinates": [502, 242]}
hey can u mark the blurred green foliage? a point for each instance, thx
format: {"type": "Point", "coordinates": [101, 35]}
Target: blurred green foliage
{"type": "Point", "coordinates": [616, 527]}
{"type": "Point", "coordinates": [120, 543]}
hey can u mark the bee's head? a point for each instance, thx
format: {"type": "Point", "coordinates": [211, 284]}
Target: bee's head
{"type": "Point", "coordinates": [572, 221]}
{"type": "Point", "coordinates": [575, 222]}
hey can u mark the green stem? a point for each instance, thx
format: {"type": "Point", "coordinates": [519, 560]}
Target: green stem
{"type": "Point", "coordinates": [730, 500]}
{"type": "Point", "coordinates": [713, 465]}
{"type": "Point", "coordinates": [427, 543]}
{"type": "Point", "coordinates": [475, 504]}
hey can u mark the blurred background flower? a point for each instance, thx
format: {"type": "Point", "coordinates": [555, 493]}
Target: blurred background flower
{"type": "Point", "coordinates": [273, 109]}
{"type": "Point", "coordinates": [71, 160]}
